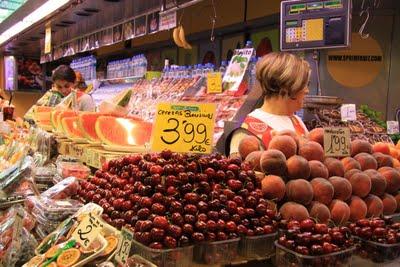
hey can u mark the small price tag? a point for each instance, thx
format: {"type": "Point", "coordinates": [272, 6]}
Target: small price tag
{"type": "Point", "coordinates": [214, 82]}
{"type": "Point", "coordinates": [392, 127]}
{"type": "Point", "coordinates": [184, 127]}
{"type": "Point", "coordinates": [348, 112]}
{"type": "Point", "coordinates": [124, 246]}
{"type": "Point", "coordinates": [87, 230]}
{"type": "Point", "coordinates": [337, 142]}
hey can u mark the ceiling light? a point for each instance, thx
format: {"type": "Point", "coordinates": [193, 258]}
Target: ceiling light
{"type": "Point", "coordinates": [40, 13]}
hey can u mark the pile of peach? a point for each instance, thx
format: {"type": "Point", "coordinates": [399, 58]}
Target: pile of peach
{"type": "Point", "coordinates": [306, 184]}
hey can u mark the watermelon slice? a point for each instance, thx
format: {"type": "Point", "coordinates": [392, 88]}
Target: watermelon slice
{"type": "Point", "coordinates": [87, 123]}
{"type": "Point", "coordinates": [70, 127]}
{"type": "Point", "coordinates": [61, 115]}
{"type": "Point", "coordinates": [115, 131]}
{"type": "Point", "coordinates": [53, 118]}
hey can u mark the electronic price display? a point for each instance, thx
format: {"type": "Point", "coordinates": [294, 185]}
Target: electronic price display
{"type": "Point", "coordinates": [310, 24]}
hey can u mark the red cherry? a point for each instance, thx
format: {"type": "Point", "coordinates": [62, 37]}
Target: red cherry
{"type": "Point", "coordinates": [160, 222]}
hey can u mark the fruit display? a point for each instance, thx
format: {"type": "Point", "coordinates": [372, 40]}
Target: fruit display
{"type": "Point", "coordinates": [306, 243]}
{"type": "Point", "coordinates": [306, 183]}
{"type": "Point", "coordinates": [67, 188]}
{"type": "Point", "coordinates": [379, 239]}
{"type": "Point", "coordinates": [74, 169]}
{"type": "Point", "coordinates": [174, 200]}
{"type": "Point", "coordinates": [87, 122]}
{"type": "Point", "coordinates": [71, 128]}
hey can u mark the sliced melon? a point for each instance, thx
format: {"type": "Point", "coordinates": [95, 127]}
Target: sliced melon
{"type": "Point", "coordinates": [71, 128]}
{"type": "Point", "coordinates": [115, 131]}
{"type": "Point", "coordinates": [61, 115]}
{"type": "Point", "coordinates": [122, 98]}
{"type": "Point", "coordinates": [87, 123]}
{"type": "Point", "coordinates": [53, 118]}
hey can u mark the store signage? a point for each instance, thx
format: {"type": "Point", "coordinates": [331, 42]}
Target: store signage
{"type": "Point", "coordinates": [337, 142]}
{"type": "Point", "coordinates": [153, 21]}
{"type": "Point", "coordinates": [348, 112]}
{"type": "Point", "coordinates": [214, 82]}
{"type": "Point", "coordinates": [87, 230]}
{"type": "Point", "coordinates": [358, 66]}
{"type": "Point", "coordinates": [168, 21]}
{"type": "Point", "coordinates": [184, 127]}
{"type": "Point", "coordinates": [236, 69]}
{"type": "Point", "coordinates": [124, 246]}
{"type": "Point", "coordinates": [47, 39]}
{"type": "Point", "coordinates": [392, 127]}
{"type": "Point", "coordinates": [140, 26]}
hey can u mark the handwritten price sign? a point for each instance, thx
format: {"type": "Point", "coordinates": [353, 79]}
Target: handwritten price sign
{"type": "Point", "coordinates": [88, 230]}
{"type": "Point", "coordinates": [214, 82]}
{"type": "Point", "coordinates": [337, 142]}
{"type": "Point", "coordinates": [184, 127]}
{"type": "Point", "coordinates": [124, 246]}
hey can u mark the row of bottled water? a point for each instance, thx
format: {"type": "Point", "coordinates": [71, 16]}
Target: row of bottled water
{"type": "Point", "coordinates": [129, 67]}
{"type": "Point", "coordinates": [86, 66]}
{"type": "Point", "coordinates": [198, 70]}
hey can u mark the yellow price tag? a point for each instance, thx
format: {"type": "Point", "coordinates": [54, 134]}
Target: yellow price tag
{"type": "Point", "coordinates": [87, 230]}
{"type": "Point", "coordinates": [214, 82]}
{"type": "Point", "coordinates": [337, 142]}
{"type": "Point", "coordinates": [184, 127]}
{"type": "Point", "coordinates": [124, 246]}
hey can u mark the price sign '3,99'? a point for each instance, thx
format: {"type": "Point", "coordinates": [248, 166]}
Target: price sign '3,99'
{"type": "Point", "coordinates": [184, 127]}
{"type": "Point", "coordinates": [337, 142]}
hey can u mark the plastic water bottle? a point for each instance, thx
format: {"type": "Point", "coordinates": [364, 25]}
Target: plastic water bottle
{"type": "Point", "coordinates": [252, 72]}
{"type": "Point", "coordinates": [222, 68]}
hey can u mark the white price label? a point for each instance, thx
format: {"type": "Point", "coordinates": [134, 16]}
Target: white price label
{"type": "Point", "coordinates": [348, 112]}
{"type": "Point", "coordinates": [87, 230]}
{"type": "Point", "coordinates": [337, 142]}
{"type": "Point", "coordinates": [392, 127]}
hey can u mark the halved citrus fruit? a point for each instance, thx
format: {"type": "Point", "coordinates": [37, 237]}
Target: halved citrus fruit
{"type": "Point", "coordinates": [68, 257]}
{"type": "Point", "coordinates": [112, 243]}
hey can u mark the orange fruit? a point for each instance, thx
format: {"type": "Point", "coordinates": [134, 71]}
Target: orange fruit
{"type": "Point", "coordinates": [396, 163]}
{"type": "Point", "coordinates": [394, 153]}
{"type": "Point", "coordinates": [52, 251]}
{"type": "Point", "coordinates": [68, 257]}
{"type": "Point", "coordinates": [35, 261]}
{"type": "Point", "coordinates": [112, 243]}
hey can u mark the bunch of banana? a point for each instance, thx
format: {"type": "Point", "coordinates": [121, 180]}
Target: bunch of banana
{"type": "Point", "coordinates": [179, 37]}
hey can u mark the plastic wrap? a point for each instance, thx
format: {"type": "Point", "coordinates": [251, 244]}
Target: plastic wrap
{"type": "Point", "coordinates": [75, 169]}
{"type": "Point", "coordinates": [62, 190]}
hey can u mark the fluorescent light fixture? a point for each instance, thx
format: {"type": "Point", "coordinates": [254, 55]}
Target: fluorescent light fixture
{"type": "Point", "coordinates": [40, 13]}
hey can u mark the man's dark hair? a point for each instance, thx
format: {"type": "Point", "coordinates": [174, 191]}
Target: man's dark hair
{"type": "Point", "coordinates": [64, 72]}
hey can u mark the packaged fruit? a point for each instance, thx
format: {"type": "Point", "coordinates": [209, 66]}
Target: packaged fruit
{"type": "Point", "coordinates": [136, 260]}
{"type": "Point", "coordinates": [182, 257]}
{"type": "Point", "coordinates": [64, 189]}
{"type": "Point", "coordinates": [286, 257]}
{"type": "Point", "coordinates": [51, 209]}
{"type": "Point", "coordinates": [257, 247]}
{"type": "Point", "coordinates": [75, 169]}
{"type": "Point", "coordinates": [378, 252]}
{"type": "Point", "coordinates": [219, 252]}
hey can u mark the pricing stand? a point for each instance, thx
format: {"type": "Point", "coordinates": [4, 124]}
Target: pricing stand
{"type": "Point", "coordinates": [337, 142]}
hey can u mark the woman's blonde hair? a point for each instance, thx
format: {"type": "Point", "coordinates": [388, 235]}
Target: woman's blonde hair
{"type": "Point", "coordinates": [282, 74]}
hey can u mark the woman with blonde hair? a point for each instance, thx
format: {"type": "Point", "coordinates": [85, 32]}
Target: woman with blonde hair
{"type": "Point", "coordinates": [284, 80]}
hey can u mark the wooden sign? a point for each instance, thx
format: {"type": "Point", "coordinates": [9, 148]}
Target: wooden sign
{"type": "Point", "coordinates": [337, 142]}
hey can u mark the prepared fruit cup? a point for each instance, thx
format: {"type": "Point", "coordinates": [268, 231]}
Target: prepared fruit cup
{"type": "Point", "coordinates": [377, 252]}
{"type": "Point", "coordinates": [182, 257]}
{"type": "Point", "coordinates": [257, 247]}
{"type": "Point", "coordinates": [286, 257]}
{"type": "Point", "coordinates": [219, 252]}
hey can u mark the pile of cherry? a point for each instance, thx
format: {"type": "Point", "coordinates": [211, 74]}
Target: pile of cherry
{"type": "Point", "coordinates": [172, 200]}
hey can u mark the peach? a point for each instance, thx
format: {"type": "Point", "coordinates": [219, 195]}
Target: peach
{"type": "Point", "coordinates": [396, 163]}
{"type": "Point", "coordinates": [273, 161]}
{"type": "Point", "coordinates": [295, 211]}
{"type": "Point", "coordinates": [285, 144]}
{"type": "Point", "coordinates": [361, 184]}
{"type": "Point", "coordinates": [318, 169]}
{"type": "Point", "coordinates": [289, 133]}
{"type": "Point", "coordinates": [273, 187]}
{"type": "Point", "coordinates": [397, 197]}
{"type": "Point", "coordinates": [349, 164]}
{"type": "Point", "coordinates": [317, 135]}
{"type": "Point", "coordinates": [320, 212]}
{"type": "Point", "coordinates": [334, 166]}
{"type": "Point", "coordinates": [247, 145]}
{"type": "Point", "coordinates": [394, 152]}
{"type": "Point", "coordinates": [342, 188]}
{"type": "Point", "coordinates": [312, 151]}
{"type": "Point", "coordinates": [389, 204]}
{"type": "Point", "coordinates": [359, 146]}
{"type": "Point", "coordinates": [392, 177]}
{"type": "Point", "coordinates": [381, 147]}
{"type": "Point", "coordinates": [358, 208]}
{"type": "Point", "coordinates": [254, 160]}
{"type": "Point", "coordinates": [349, 173]}
{"type": "Point", "coordinates": [383, 160]}
{"type": "Point", "coordinates": [297, 168]}
{"type": "Point", "coordinates": [299, 191]}
{"type": "Point", "coordinates": [366, 161]}
{"type": "Point", "coordinates": [374, 206]}
{"type": "Point", "coordinates": [378, 182]}
{"type": "Point", "coordinates": [340, 211]}
{"type": "Point", "coordinates": [323, 190]}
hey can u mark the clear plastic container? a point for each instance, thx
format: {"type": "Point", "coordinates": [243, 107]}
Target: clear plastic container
{"type": "Point", "coordinates": [182, 257]}
{"type": "Point", "coordinates": [257, 247]}
{"type": "Point", "coordinates": [75, 169]}
{"type": "Point", "coordinates": [137, 261]}
{"type": "Point", "coordinates": [64, 189]}
{"type": "Point", "coordinates": [286, 257]}
{"type": "Point", "coordinates": [378, 252]}
{"type": "Point", "coordinates": [56, 210]}
{"type": "Point", "coordinates": [219, 252]}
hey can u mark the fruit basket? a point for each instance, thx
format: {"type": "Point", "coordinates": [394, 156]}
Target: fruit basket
{"type": "Point", "coordinates": [286, 257]}
{"type": "Point", "coordinates": [378, 252]}
{"type": "Point", "coordinates": [182, 257]}
{"type": "Point", "coordinates": [257, 247]}
{"type": "Point", "coordinates": [219, 252]}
